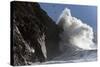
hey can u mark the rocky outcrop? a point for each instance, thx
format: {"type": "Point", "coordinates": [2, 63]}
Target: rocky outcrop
{"type": "Point", "coordinates": [35, 36]}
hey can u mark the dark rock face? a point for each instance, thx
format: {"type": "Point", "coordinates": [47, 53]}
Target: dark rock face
{"type": "Point", "coordinates": [32, 28]}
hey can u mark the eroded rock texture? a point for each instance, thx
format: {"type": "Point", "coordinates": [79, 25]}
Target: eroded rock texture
{"type": "Point", "coordinates": [35, 36]}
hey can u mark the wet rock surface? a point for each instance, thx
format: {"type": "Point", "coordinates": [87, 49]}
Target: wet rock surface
{"type": "Point", "coordinates": [35, 35]}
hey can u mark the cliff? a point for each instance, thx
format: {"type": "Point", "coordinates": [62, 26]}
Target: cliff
{"type": "Point", "coordinates": [34, 35]}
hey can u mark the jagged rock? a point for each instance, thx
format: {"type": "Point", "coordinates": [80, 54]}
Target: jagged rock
{"type": "Point", "coordinates": [35, 36]}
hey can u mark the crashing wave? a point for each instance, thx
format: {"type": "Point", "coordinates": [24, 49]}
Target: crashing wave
{"type": "Point", "coordinates": [76, 33]}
